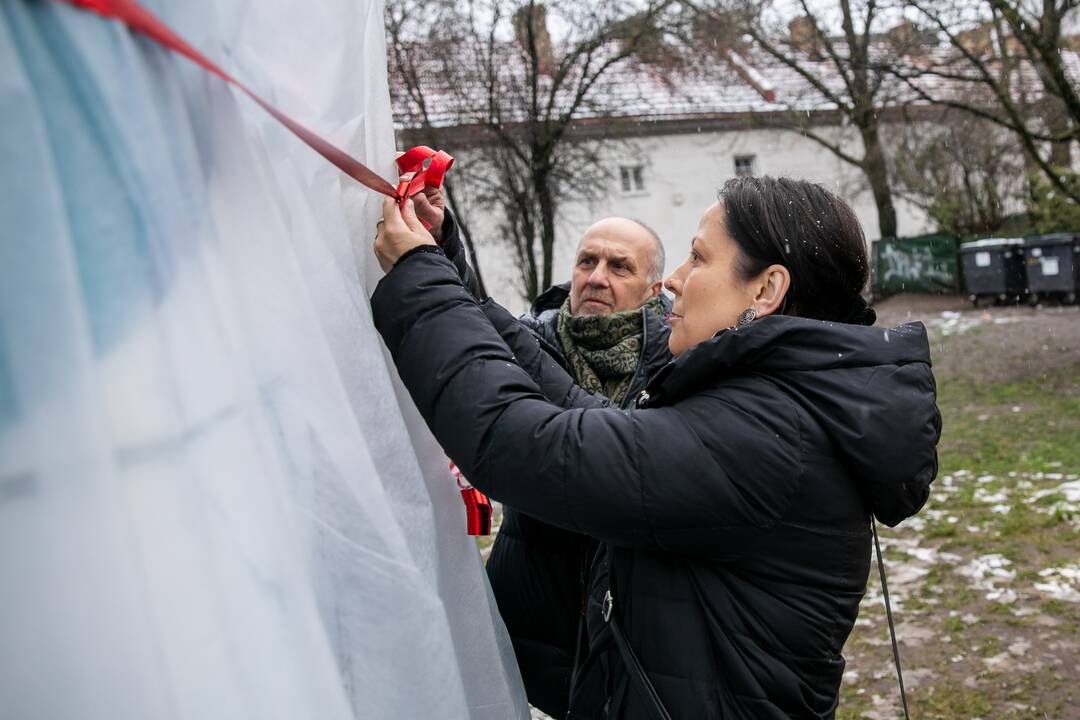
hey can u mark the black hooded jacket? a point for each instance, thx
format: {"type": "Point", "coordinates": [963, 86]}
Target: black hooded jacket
{"type": "Point", "coordinates": [733, 508]}
{"type": "Point", "coordinates": [537, 571]}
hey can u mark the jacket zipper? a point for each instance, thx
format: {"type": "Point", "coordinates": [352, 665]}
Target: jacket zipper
{"type": "Point", "coordinates": [631, 398]}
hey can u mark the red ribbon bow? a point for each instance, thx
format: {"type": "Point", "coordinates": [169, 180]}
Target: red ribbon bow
{"type": "Point", "coordinates": [412, 161]}
{"type": "Point", "coordinates": [141, 20]}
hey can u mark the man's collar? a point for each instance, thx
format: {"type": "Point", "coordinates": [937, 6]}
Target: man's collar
{"type": "Point", "coordinates": [551, 299]}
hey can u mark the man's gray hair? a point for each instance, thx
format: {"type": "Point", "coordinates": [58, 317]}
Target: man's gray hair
{"type": "Point", "coordinates": [656, 256]}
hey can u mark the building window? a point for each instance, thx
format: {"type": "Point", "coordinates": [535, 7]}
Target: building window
{"type": "Point", "coordinates": [632, 178]}
{"type": "Point", "coordinates": [744, 165]}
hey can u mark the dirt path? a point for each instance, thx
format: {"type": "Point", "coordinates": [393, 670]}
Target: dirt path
{"type": "Point", "coordinates": [992, 344]}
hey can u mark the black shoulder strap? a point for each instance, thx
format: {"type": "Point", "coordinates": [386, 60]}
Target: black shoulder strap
{"type": "Point", "coordinates": [637, 673]}
{"type": "Point", "coordinates": [888, 615]}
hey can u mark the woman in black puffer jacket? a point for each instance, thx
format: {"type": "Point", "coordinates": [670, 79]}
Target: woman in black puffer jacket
{"type": "Point", "coordinates": [733, 507]}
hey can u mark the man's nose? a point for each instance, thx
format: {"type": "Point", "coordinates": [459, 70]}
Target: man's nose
{"type": "Point", "coordinates": [598, 277]}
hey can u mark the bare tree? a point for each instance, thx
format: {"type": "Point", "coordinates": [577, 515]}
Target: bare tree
{"type": "Point", "coordinates": [965, 172]}
{"type": "Point", "coordinates": [419, 38]}
{"type": "Point", "coordinates": [1014, 52]}
{"type": "Point", "coordinates": [840, 71]}
{"type": "Point", "coordinates": [487, 76]}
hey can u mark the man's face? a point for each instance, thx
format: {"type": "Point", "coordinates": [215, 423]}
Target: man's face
{"type": "Point", "coordinates": [611, 272]}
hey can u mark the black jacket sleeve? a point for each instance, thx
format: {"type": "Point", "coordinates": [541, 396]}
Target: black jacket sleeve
{"type": "Point", "coordinates": [451, 244]}
{"type": "Point", "coordinates": [630, 478]}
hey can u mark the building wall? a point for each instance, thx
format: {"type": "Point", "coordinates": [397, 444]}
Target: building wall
{"type": "Point", "coordinates": [681, 174]}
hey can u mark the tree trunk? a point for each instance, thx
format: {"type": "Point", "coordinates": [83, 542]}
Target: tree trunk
{"type": "Point", "coordinates": [877, 173]}
{"type": "Point", "coordinates": [547, 224]}
{"type": "Point", "coordinates": [1060, 152]}
{"type": "Point", "coordinates": [466, 236]}
{"type": "Point", "coordinates": [528, 246]}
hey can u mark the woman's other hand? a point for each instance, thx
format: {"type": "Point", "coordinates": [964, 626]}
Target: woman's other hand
{"type": "Point", "coordinates": [398, 232]}
{"type": "Point", "coordinates": [430, 207]}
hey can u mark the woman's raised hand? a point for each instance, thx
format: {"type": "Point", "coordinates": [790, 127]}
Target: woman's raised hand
{"type": "Point", "coordinates": [398, 232]}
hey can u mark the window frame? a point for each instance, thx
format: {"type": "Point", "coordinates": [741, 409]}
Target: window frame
{"type": "Point", "coordinates": [631, 181]}
{"type": "Point", "coordinates": [746, 158]}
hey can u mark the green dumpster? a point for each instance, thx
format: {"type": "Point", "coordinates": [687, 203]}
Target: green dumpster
{"type": "Point", "coordinates": [922, 264]}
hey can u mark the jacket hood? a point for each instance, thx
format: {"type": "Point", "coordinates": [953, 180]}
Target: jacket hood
{"type": "Point", "coordinates": [551, 299]}
{"type": "Point", "coordinates": [870, 389]}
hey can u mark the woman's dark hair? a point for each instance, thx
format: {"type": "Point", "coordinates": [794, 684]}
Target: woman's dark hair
{"type": "Point", "coordinates": [808, 230]}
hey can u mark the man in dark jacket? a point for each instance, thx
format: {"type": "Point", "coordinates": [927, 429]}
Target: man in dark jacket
{"type": "Point", "coordinates": [607, 329]}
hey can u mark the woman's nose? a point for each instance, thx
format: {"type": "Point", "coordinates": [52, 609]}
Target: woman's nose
{"type": "Point", "coordinates": [672, 284]}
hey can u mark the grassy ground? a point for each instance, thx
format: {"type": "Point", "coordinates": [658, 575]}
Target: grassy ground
{"type": "Point", "coordinates": [986, 579]}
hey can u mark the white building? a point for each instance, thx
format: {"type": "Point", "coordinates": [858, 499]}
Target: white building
{"type": "Point", "coordinates": [670, 182]}
{"type": "Point", "coordinates": [667, 149]}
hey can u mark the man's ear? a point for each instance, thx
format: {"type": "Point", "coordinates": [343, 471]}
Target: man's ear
{"type": "Point", "coordinates": [655, 288]}
{"type": "Point", "coordinates": [775, 283]}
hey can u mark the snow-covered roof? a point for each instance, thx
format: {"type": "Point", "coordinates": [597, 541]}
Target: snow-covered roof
{"type": "Point", "coordinates": [749, 81]}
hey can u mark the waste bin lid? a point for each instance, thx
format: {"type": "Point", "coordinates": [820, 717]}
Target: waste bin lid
{"type": "Point", "coordinates": [1052, 239]}
{"type": "Point", "coordinates": [990, 243]}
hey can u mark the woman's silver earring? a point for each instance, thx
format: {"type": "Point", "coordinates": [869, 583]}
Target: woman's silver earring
{"type": "Point", "coordinates": [747, 317]}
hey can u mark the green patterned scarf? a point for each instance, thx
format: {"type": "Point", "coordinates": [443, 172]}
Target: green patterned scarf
{"type": "Point", "coordinates": [603, 351]}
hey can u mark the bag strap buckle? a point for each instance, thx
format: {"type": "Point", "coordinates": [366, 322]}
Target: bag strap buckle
{"type": "Point", "coordinates": [609, 603]}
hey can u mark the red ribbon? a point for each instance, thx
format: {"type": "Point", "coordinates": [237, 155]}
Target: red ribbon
{"type": "Point", "coordinates": [141, 20]}
{"type": "Point", "coordinates": [477, 512]}
{"type": "Point", "coordinates": [477, 506]}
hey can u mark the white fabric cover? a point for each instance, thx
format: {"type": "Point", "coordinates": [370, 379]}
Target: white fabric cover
{"type": "Point", "coordinates": [216, 500]}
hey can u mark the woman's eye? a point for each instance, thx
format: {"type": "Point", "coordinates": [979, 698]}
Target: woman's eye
{"type": "Point", "coordinates": [694, 257]}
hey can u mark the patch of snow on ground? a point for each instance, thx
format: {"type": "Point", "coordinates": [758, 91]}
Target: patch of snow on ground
{"type": "Point", "coordinates": [988, 573]}
{"type": "Point", "coordinates": [1069, 490]}
{"type": "Point", "coordinates": [981, 495]}
{"type": "Point", "coordinates": [1061, 583]}
{"type": "Point", "coordinates": [917, 524]}
{"type": "Point", "coordinates": [958, 323]}
{"type": "Point", "coordinates": [1069, 506]}
{"type": "Point", "coordinates": [999, 662]}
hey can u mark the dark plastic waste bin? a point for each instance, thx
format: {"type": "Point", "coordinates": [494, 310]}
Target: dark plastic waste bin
{"type": "Point", "coordinates": [1053, 266]}
{"type": "Point", "coordinates": [994, 269]}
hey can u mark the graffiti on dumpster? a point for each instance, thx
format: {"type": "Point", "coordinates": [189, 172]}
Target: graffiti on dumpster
{"type": "Point", "coordinates": [915, 265]}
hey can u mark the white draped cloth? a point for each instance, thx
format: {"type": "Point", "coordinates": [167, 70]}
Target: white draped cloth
{"type": "Point", "coordinates": [216, 500]}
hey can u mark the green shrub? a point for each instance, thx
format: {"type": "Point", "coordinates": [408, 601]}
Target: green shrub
{"type": "Point", "coordinates": [1050, 209]}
